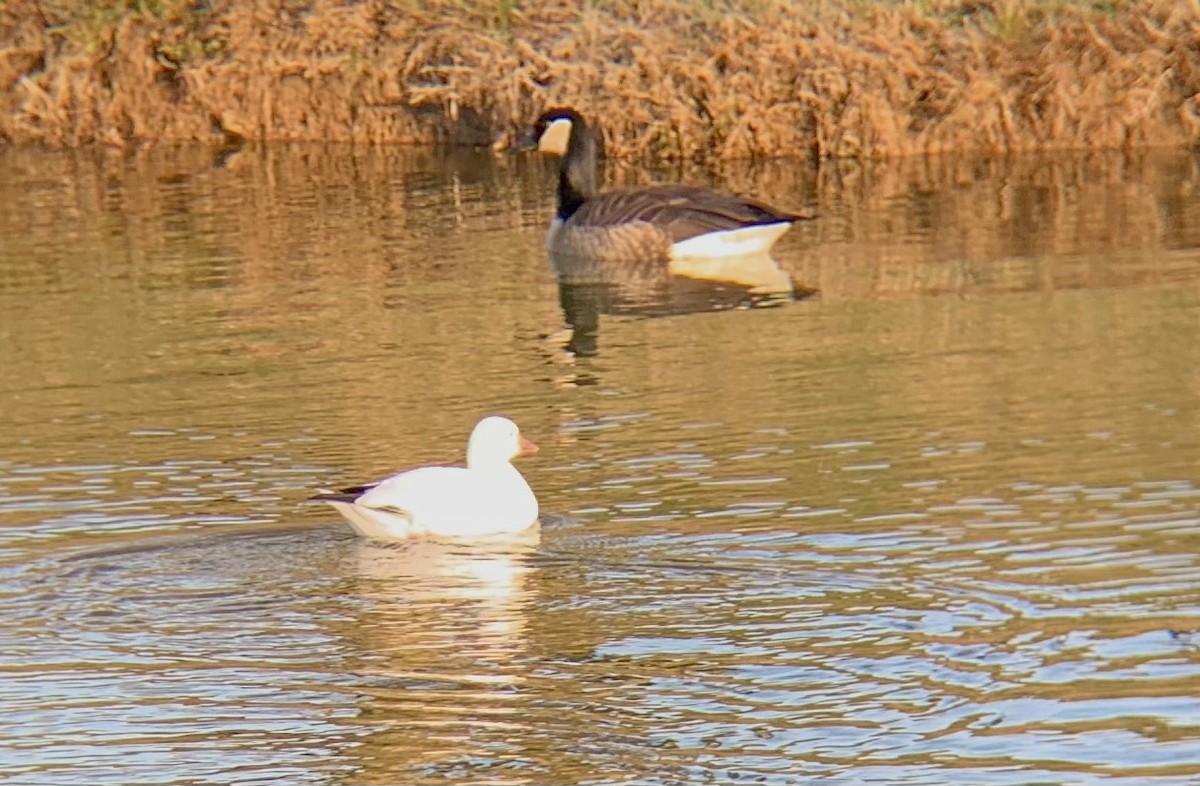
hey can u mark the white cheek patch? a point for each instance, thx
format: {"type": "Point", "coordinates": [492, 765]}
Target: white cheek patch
{"type": "Point", "coordinates": [554, 139]}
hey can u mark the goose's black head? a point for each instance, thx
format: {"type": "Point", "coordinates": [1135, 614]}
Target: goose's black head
{"type": "Point", "coordinates": [558, 130]}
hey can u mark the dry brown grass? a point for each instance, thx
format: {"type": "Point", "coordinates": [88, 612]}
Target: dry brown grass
{"type": "Point", "coordinates": [667, 78]}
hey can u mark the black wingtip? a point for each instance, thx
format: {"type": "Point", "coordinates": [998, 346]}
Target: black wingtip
{"type": "Point", "coordinates": [332, 496]}
{"type": "Point", "coordinates": [350, 494]}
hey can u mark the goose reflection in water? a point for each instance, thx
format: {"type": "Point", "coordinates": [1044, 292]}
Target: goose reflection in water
{"type": "Point", "coordinates": [441, 629]}
{"type": "Point", "coordinates": [589, 288]}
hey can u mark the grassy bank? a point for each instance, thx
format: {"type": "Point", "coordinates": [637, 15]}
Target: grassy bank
{"type": "Point", "coordinates": [668, 78]}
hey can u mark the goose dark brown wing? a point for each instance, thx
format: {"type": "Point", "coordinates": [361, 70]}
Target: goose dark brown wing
{"type": "Point", "coordinates": [682, 212]}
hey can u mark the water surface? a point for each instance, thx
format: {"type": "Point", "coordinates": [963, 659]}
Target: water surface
{"type": "Point", "coordinates": [937, 524]}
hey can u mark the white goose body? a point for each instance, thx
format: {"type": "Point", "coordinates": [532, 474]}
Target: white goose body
{"type": "Point", "coordinates": [486, 498]}
{"type": "Point", "coordinates": [666, 222]}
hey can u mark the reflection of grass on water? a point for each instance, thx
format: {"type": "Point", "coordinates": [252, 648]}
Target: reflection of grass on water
{"type": "Point", "coordinates": [669, 79]}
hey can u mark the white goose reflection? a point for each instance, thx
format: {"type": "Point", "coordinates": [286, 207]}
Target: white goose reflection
{"type": "Point", "coordinates": [440, 636]}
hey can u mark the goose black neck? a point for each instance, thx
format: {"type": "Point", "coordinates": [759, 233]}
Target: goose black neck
{"type": "Point", "coordinates": [577, 172]}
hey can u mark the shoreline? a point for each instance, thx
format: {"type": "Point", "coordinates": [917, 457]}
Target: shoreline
{"type": "Point", "coordinates": [664, 80]}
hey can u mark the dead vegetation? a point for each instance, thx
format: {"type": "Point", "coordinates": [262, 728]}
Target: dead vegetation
{"type": "Point", "coordinates": [666, 78]}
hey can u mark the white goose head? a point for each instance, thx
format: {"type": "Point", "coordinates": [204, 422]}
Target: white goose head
{"type": "Point", "coordinates": [496, 441]}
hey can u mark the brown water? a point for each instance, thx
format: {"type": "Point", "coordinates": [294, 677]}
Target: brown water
{"type": "Point", "coordinates": [938, 525]}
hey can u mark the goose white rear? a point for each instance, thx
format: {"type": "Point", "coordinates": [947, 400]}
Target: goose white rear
{"type": "Point", "coordinates": [486, 498]}
{"type": "Point", "coordinates": [746, 241]}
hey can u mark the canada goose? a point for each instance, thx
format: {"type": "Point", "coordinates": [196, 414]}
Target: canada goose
{"type": "Point", "coordinates": [666, 222]}
{"type": "Point", "coordinates": [488, 497]}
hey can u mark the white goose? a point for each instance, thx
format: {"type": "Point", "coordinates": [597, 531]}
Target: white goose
{"type": "Point", "coordinates": [486, 498]}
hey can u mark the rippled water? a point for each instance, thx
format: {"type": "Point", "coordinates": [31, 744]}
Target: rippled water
{"type": "Point", "coordinates": [938, 524]}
